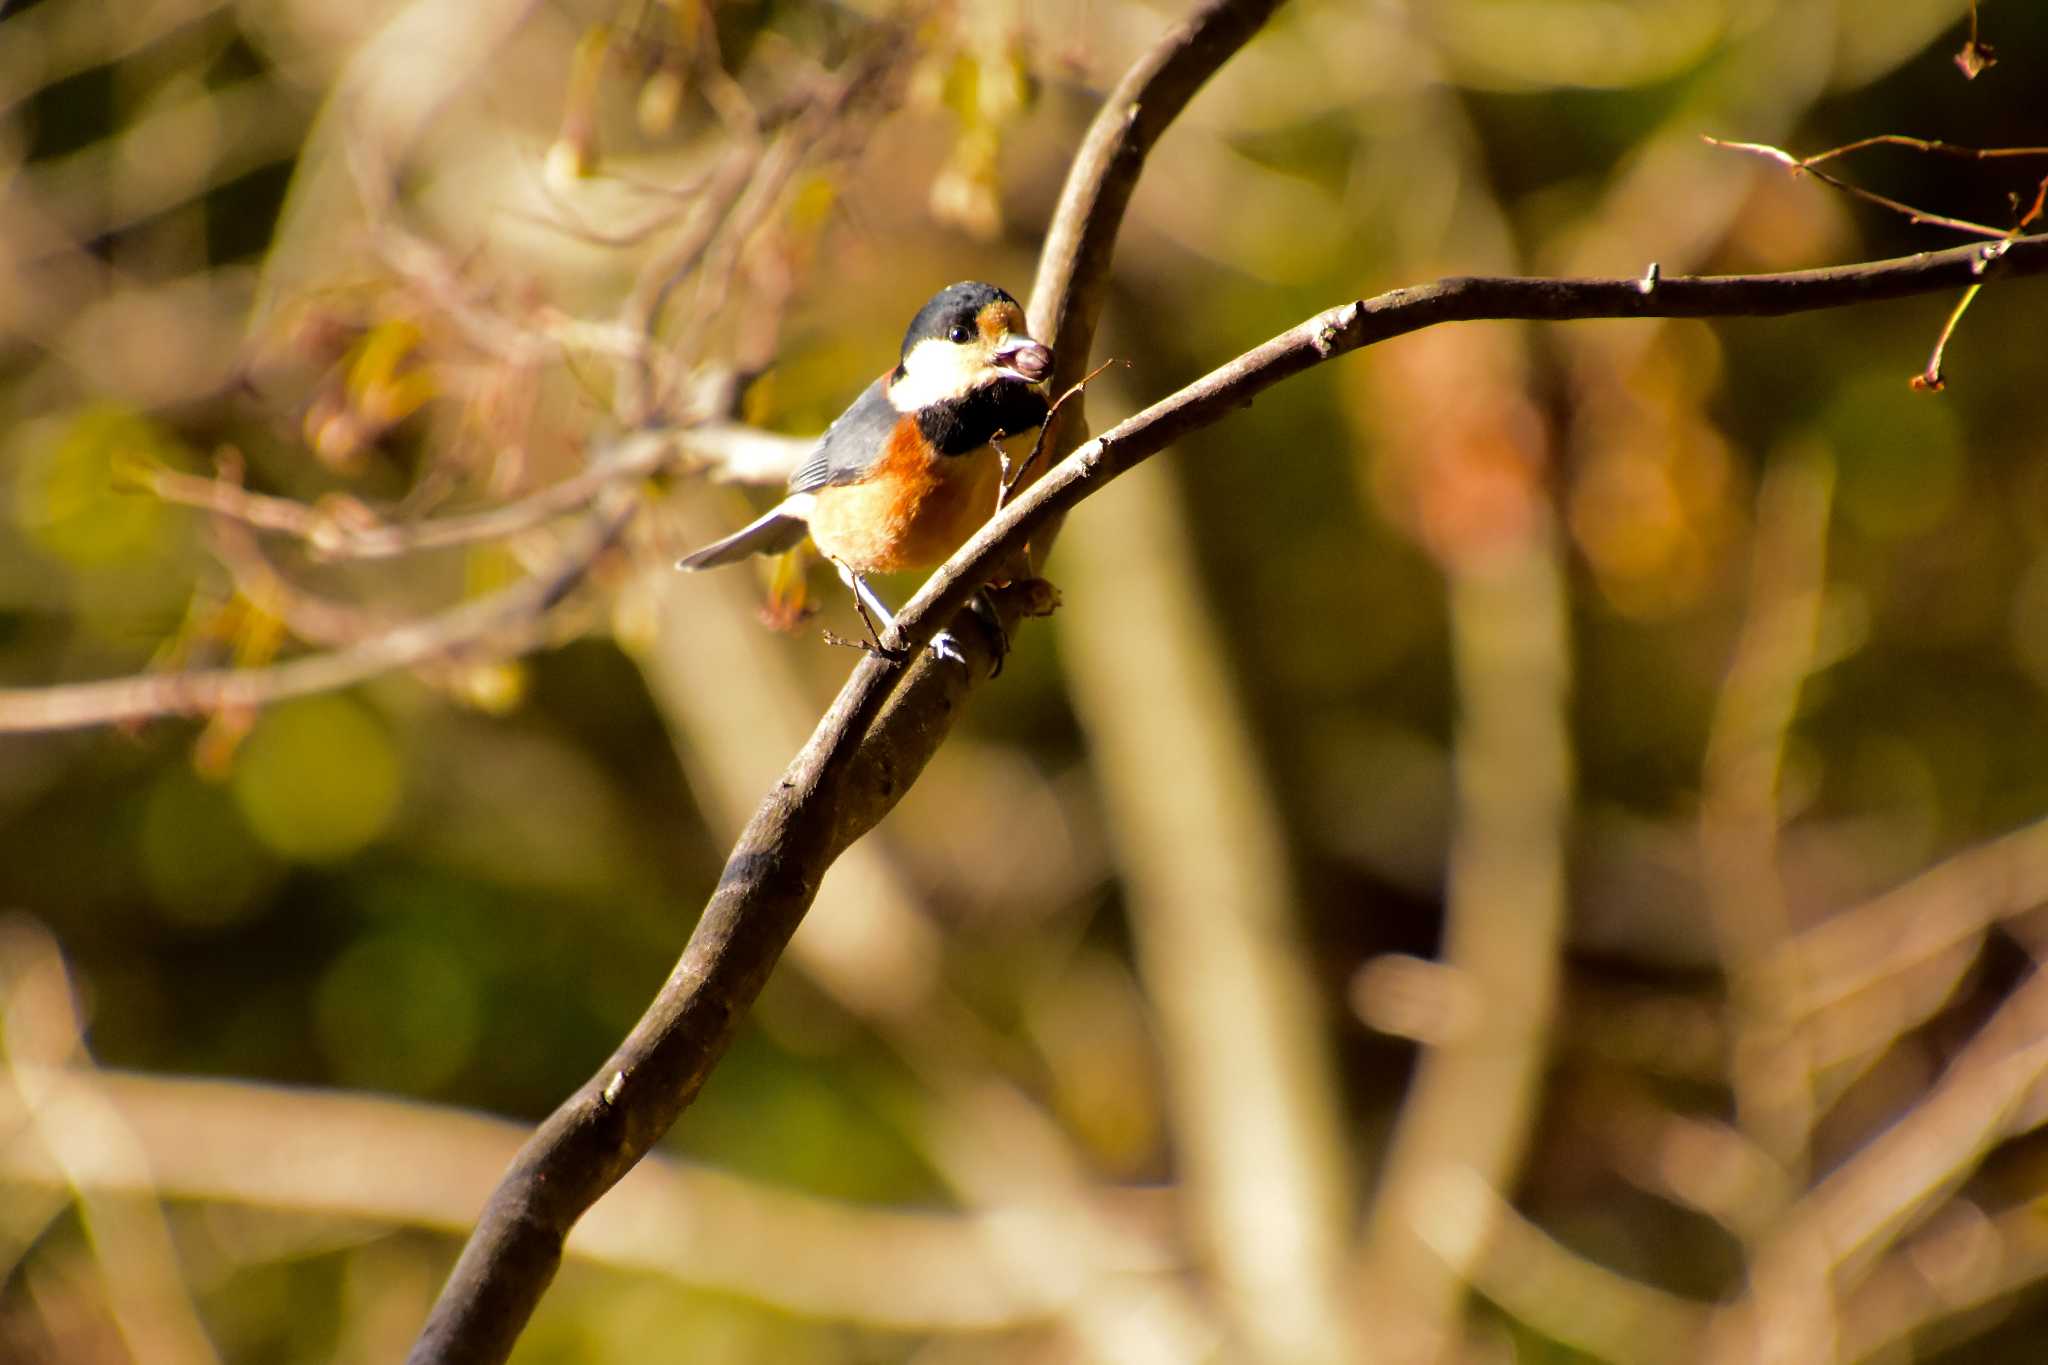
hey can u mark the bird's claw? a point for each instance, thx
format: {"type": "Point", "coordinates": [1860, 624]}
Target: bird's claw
{"type": "Point", "coordinates": [945, 647]}
{"type": "Point", "coordinates": [872, 648]}
{"type": "Point", "coordinates": [984, 609]}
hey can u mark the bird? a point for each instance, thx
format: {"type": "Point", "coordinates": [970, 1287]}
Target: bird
{"type": "Point", "coordinates": [910, 470]}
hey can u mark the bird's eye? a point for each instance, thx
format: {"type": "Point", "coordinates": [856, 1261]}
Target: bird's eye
{"type": "Point", "coordinates": [960, 335]}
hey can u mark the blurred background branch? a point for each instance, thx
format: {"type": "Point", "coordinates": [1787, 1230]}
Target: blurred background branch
{"type": "Point", "coordinates": [411, 1165]}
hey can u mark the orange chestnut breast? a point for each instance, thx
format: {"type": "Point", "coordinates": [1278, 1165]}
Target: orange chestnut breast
{"type": "Point", "coordinates": [910, 511]}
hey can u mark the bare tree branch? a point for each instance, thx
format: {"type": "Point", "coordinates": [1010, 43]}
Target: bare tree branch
{"type": "Point", "coordinates": [871, 943]}
{"type": "Point", "coordinates": [1945, 908]}
{"type": "Point", "coordinates": [1073, 265]}
{"type": "Point", "coordinates": [1569, 1298]}
{"type": "Point", "coordinates": [1834, 1235]}
{"type": "Point", "coordinates": [1770, 1070]}
{"type": "Point", "coordinates": [332, 1154]}
{"type": "Point", "coordinates": [841, 784]}
{"type": "Point", "coordinates": [353, 531]}
{"type": "Point", "coordinates": [1469, 1111]}
{"type": "Point", "coordinates": [152, 695]}
{"type": "Point", "coordinates": [1807, 165]}
{"type": "Point", "coordinates": [1214, 910]}
{"type": "Point", "coordinates": [1962, 1262]}
{"type": "Point", "coordinates": [834, 791]}
{"type": "Point", "coordinates": [63, 1110]}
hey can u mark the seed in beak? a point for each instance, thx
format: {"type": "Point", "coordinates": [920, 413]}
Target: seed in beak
{"type": "Point", "coordinates": [1027, 360]}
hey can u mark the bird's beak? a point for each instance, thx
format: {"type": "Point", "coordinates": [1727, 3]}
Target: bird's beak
{"type": "Point", "coordinates": [1024, 358]}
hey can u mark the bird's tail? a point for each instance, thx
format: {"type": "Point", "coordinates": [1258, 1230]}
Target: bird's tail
{"type": "Point", "coordinates": [778, 530]}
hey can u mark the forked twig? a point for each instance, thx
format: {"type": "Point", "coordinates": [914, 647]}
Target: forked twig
{"type": "Point", "coordinates": [1929, 380]}
{"type": "Point", "coordinates": [1809, 165]}
{"type": "Point", "coordinates": [1014, 475]}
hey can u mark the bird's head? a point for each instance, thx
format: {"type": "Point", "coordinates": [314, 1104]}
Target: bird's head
{"type": "Point", "coordinates": [969, 336]}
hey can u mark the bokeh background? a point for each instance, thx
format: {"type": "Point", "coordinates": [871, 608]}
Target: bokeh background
{"type": "Point", "coordinates": [1420, 897]}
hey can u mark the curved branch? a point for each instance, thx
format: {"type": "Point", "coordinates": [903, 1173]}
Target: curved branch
{"type": "Point", "coordinates": [858, 762]}
{"type": "Point", "coordinates": [1350, 326]}
{"type": "Point", "coordinates": [875, 740]}
{"type": "Point", "coordinates": [1073, 266]}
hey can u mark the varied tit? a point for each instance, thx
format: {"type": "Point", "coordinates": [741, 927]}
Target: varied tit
{"type": "Point", "coordinates": [904, 476]}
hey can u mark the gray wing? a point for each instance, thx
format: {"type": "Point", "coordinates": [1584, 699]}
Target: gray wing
{"type": "Point", "coordinates": [851, 444]}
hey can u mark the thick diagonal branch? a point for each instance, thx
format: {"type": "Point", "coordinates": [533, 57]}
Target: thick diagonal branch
{"type": "Point", "coordinates": [876, 739]}
{"type": "Point", "coordinates": [857, 764]}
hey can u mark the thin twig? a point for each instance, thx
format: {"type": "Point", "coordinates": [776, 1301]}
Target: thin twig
{"type": "Point", "coordinates": [426, 267]}
{"type": "Point", "coordinates": [1807, 165]}
{"type": "Point", "coordinates": [1930, 379]}
{"type": "Point", "coordinates": [1840, 1228]}
{"type": "Point", "coordinates": [352, 531]}
{"type": "Point", "coordinates": [406, 1163]}
{"type": "Point", "coordinates": [151, 696]}
{"type": "Point", "coordinates": [745, 187]}
{"type": "Point", "coordinates": [1014, 475]}
{"type": "Point", "coordinates": [1931, 145]}
{"type": "Point", "coordinates": [44, 1061]}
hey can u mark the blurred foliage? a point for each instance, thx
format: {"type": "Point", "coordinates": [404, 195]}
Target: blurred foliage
{"type": "Point", "coordinates": [461, 886]}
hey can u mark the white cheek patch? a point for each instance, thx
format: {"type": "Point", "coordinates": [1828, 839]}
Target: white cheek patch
{"type": "Point", "coordinates": [936, 370]}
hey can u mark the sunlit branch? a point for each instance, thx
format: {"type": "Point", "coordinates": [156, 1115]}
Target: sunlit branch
{"type": "Point", "coordinates": [1932, 146]}
{"type": "Point", "coordinates": [1335, 332]}
{"type": "Point", "coordinates": [1559, 1292]}
{"type": "Point", "coordinates": [1962, 1263]}
{"type": "Point", "coordinates": [868, 748]}
{"type": "Point", "coordinates": [1809, 165]}
{"type": "Point", "coordinates": [427, 1166]}
{"type": "Point", "coordinates": [1989, 1092]}
{"type": "Point", "coordinates": [1944, 909]}
{"type": "Point", "coordinates": [856, 765]}
{"type": "Point", "coordinates": [60, 1107]}
{"type": "Point", "coordinates": [1771, 1072]}
{"type": "Point", "coordinates": [474, 624]}
{"type": "Point", "coordinates": [351, 530]}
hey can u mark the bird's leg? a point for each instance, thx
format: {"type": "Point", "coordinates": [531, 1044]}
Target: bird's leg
{"type": "Point", "coordinates": [870, 605]}
{"type": "Point", "coordinates": [872, 608]}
